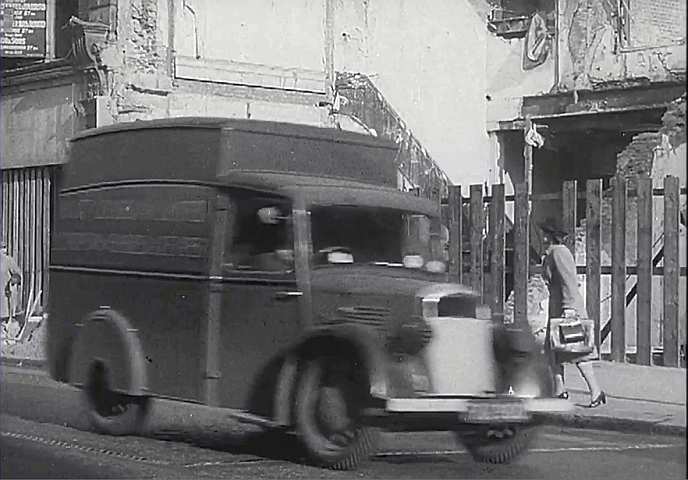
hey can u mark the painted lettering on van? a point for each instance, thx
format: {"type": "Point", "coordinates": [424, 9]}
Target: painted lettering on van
{"type": "Point", "coordinates": [169, 246]}
{"type": "Point", "coordinates": [128, 209]}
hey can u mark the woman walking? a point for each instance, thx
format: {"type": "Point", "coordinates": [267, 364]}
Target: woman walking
{"type": "Point", "coordinates": [565, 301]}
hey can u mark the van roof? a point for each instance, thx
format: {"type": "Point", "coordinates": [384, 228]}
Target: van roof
{"type": "Point", "coordinates": [240, 124]}
{"type": "Point", "coordinates": [328, 165]}
{"type": "Point", "coordinates": [202, 149]}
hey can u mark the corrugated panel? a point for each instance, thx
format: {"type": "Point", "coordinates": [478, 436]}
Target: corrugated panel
{"type": "Point", "coordinates": [26, 210]}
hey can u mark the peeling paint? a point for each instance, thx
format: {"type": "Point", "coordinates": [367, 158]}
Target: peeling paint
{"type": "Point", "coordinates": [592, 52]}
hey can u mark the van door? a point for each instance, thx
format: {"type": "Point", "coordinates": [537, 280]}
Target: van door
{"type": "Point", "coordinates": [260, 301]}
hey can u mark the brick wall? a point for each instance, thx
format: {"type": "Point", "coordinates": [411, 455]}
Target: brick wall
{"type": "Point", "coordinates": [636, 158]}
{"type": "Point", "coordinates": [657, 22]}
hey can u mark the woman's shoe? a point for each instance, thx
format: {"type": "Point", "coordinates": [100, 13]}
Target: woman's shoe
{"type": "Point", "coordinates": [563, 395]}
{"type": "Point", "coordinates": [599, 400]}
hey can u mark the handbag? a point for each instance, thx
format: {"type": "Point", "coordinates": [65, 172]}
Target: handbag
{"type": "Point", "coordinates": [572, 335]}
{"type": "Point", "coordinates": [571, 332]}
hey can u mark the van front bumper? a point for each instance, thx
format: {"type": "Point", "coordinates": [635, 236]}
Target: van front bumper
{"type": "Point", "coordinates": [451, 411]}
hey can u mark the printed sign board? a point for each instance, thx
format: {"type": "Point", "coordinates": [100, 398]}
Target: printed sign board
{"type": "Point", "coordinates": [22, 28]}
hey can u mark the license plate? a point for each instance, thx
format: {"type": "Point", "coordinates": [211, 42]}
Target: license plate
{"type": "Point", "coordinates": [494, 411]}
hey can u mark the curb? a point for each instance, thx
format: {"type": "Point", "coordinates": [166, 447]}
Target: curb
{"type": "Point", "coordinates": [613, 423]}
{"type": "Point", "coordinates": [23, 362]}
{"type": "Point", "coordinates": [562, 419]}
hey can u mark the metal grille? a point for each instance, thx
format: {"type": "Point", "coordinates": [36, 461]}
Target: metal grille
{"type": "Point", "coordinates": [26, 213]}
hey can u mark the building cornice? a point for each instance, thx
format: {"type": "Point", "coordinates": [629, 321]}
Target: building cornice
{"type": "Point", "coordinates": [42, 75]}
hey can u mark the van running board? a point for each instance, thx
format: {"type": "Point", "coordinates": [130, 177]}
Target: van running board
{"type": "Point", "coordinates": [250, 418]}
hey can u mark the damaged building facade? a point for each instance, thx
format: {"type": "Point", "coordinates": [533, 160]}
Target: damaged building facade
{"type": "Point", "coordinates": [597, 89]}
{"type": "Point", "coordinates": [400, 70]}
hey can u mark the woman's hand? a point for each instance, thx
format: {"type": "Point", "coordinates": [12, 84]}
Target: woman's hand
{"type": "Point", "coordinates": [569, 313]}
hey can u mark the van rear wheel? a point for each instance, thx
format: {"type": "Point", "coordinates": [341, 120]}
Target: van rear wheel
{"type": "Point", "coordinates": [330, 398]}
{"type": "Point", "coordinates": [112, 412]}
{"type": "Point", "coordinates": [496, 443]}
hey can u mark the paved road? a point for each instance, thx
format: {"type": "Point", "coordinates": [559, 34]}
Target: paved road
{"type": "Point", "coordinates": [44, 434]}
{"type": "Point", "coordinates": [30, 449]}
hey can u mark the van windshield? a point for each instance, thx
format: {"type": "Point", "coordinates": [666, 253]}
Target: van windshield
{"type": "Point", "coordinates": [382, 236]}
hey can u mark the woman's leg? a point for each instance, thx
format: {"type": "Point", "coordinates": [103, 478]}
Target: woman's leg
{"type": "Point", "coordinates": [558, 370]}
{"type": "Point", "coordinates": [586, 370]}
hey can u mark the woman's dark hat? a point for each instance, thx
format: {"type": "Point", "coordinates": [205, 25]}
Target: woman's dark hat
{"type": "Point", "coordinates": [553, 226]}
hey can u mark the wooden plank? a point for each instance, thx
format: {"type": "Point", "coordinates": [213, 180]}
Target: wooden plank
{"type": "Point", "coordinates": [618, 342]}
{"type": "Point", "coordinates": [455, 233]}
{"type": "Point", "coordinates": [644, 265]}
{"type": "Point", "coordinates": [22, 234]}
{"type": "Point", "coordinates": [671, 269]}
{"type": "Point", "coordinates": [3, 198]}
{"type": "Point", "coordinates": [47, 226]}
{"type": "Point", "coordinates": [593, 243]}
{"type": "Point", "coordinates": [477, 227]}
{"type": "Point", "coordinates": [569, 206]}
{"type": "Point", "coordinates": [497, 237]}
{"type": "Point", "coordinates": [521, 254]}
{"type": "Point", "coordinates": [5, 206]}
{"type": "Point", "coordinates": [31, 230]}
{"type": "Point", "coordinates": [15, 215]}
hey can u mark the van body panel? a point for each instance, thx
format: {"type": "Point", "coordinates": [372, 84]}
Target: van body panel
{"type": "Point", "coordinates": [166, 312]}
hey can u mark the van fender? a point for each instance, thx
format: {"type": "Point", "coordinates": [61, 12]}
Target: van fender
{"type": "Point", "coordinates": [370, 351]}
{"type": "Point", "coordinates": [107, 336]}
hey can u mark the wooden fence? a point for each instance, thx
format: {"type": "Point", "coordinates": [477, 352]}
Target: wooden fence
{"type": "Point", "coordinates": [478, 253]}
{"type": "Point", "coordinates": [26, 212]}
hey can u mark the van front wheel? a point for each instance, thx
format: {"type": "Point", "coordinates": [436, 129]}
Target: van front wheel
{"type": "Point", "coordinates": [328, 410]}
{"type": "Point", "coordinates": [112, 412]}
{"type": "Point", "coordinates": [496, 443]}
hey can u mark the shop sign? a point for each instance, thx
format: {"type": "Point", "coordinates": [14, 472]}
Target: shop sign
{"type": "Point", "coordinates": [22, 28]}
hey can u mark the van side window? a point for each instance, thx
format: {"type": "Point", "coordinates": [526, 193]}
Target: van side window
{"type": "Point", "coordinates": [261, 235]}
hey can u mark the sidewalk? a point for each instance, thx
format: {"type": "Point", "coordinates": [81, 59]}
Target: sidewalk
{"type": "Point", "coordinates": [640, 399]}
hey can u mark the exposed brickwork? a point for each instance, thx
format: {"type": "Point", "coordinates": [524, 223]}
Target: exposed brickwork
{"type": "Point", "coordinates": [636, 158]}
{"type": "Point", "coordinates": [674, 122]}
{"type": "Point", "coordinates": [143, 53]}
{"type": "Point", "coordinates": [656, 22]}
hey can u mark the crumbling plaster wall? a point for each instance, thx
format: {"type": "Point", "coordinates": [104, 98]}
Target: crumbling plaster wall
{"type": "Point", "coordinates": [591, 53]}
{"type": "Point", "coordinates": [141, 58]}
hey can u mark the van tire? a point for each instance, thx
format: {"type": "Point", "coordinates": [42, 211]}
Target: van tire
{"type": "Point", "coordinates": [505, 443]}
{"type": "Point", "coordinates": [111, 412]}
{"type": "Point", "coordinates": [329, 392]}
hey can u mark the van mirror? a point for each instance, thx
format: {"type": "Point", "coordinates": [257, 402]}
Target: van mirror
{"type": "Point", "coordinates": [271, 215]}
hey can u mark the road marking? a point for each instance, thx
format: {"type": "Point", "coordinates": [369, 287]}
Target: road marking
{"type": "Point", "coordinates": [82, 448]}
{"type": "Point", "coordinates": [230, 462]}
{"type": "Point", "coordinates": [610, 448]}
{"type": "Point", "coordinates": [614, 448]}
{"type": "Point", "coordinates": [126, 456]}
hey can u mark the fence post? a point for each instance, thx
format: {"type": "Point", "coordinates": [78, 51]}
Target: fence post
{"type": "Point", "coordinates": [477, 227]}
{"type": "Point", "coordinates": [671, 272]}
{"type": "Point", "coordinates": [49, 194]}
{"type": "Point", "coordinates": [521, 256]}
{"type": "Point", "coordinates": [619, 269]}
{"type": "Point", "coordinates": [593, 240]}
{"type": "Point", "coordinates": [455, 233]}
{"type": "Point", "coordinates": [569, 207]}
{"type": "Point", "coordinates": [497, 215]}
{"type": "Point", "coordinates": [644, 262]}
